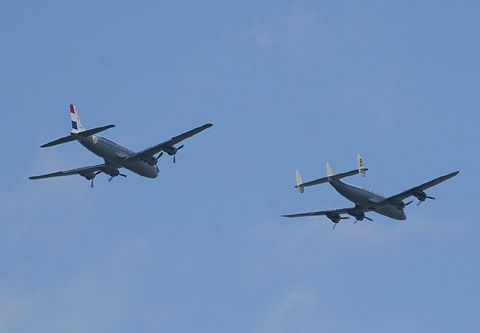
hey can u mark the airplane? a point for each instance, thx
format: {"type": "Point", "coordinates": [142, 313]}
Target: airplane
{"type": "Point", "coordinates": [364, 199]}
{"type": "Point", "coordinates": [143, 163]}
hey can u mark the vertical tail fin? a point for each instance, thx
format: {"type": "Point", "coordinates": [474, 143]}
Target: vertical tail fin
{"type": "Point", "coordinates": [361, 166]}
{"type": "Point", "coordinates": [329, 170]}
{"type": "Point", "coordinates": [77, 126]}
{"type": "Point", "coordinates": [299, 182]}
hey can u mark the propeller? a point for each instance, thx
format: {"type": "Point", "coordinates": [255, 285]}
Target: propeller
{"type": "Point", "coordinates": [96, 173]}
{"type": "Point", "coordinates": [408, 203]}
{"type": "Point", "coordinates": [156, 160]}
{"type": "Point", "coordinates": [427, 197]}
{"type": "Point", "coordinates": [120, 174]}
{"type": "Point", "coordinates": [341, 218]}
{"type": "Point", "coordinates": [365, 217]}
{"type": "Point", "coordinates": [177, 149]}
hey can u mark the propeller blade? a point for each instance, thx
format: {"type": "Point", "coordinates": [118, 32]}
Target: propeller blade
{"type": "Point", "coordinates": [334, 225]}
{"type": "Point", "coordinates": [160, 155]}
{"type": "Point", "coordinates": [96, 173]}
{"type": "Point", "coordinates": [431, 198]}
{"type": "Point", "coordinates": [110, 179]}
{"type": "Point", "coordinates": [177, 149]}
{"type": "Point", "coordinates": [408, 203]}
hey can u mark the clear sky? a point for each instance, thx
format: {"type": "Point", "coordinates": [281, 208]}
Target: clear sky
{"type": "Point", "coordinates": [288, 85]}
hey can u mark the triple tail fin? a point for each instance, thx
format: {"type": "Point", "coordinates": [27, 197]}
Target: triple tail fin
{"type": "Point", "coordinates": [330, 174]}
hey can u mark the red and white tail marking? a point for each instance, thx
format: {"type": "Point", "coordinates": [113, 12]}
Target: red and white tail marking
{"type": "Point", "coordinates": [77, 126]}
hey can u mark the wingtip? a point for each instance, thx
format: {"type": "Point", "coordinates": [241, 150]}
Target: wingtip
{"type": "Point", "coordinates": [453, 174]}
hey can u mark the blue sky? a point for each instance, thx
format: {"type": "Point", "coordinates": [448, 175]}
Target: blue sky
{"type": "Point", "coordinates": [287, 85]}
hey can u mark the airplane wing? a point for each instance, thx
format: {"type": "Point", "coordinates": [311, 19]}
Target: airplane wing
{"type": "Point", "coordinates": [415, 190]}
{"type": "Point", "coordinates": [167, 145]}
{"type": "Point", "coordinates": [80, 171]}
{"type": "Point", "coordinates": [351, 210]}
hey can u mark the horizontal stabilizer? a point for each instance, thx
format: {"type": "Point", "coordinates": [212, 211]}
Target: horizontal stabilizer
{"type": "Point", "coordinates": [59, 141]}
{"type": "Point", "coordinates": [72, 136]}
{"type": "Point", "coordinates": [95, 130]}
{"type": "Point", "coordinates": [330, 174]}
{"type": "Point", "coordinates": [337, 176]}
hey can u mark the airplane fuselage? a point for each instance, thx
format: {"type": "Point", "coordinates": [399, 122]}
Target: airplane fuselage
{"type": "Point", "coordinates": [365, 198]}
{"type": "Point", "coordinates": [115, 155]}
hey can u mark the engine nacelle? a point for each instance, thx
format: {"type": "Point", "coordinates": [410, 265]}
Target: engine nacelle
{"type": "Point", "coordinates": [358, 215]}
{"type": "Point", "coordinates": [170, 150]}
{"type": "Point", "coordinates": [334, 217]}
{"type": "Point", "coordinates": [420, 195]}
{"type": "Point", "coordinates": [112, 172]}
{"type": "Point", "coordinates": [152, 161]}
{"type": "Point", "coordinates": [88, 175]}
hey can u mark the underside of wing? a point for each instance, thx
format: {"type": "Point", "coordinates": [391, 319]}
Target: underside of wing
{"type": "Point", "coordinates": [332, 212]}
{"type": "Point", "coordinates": [87, 172]}
{"type": "Point", "coordinates": [166, 146]}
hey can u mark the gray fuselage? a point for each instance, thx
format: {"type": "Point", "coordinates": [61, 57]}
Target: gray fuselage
{"type": "Point", "coordinates": [115, 155]}
{"type": "Point", "coordinates": [366, 198]}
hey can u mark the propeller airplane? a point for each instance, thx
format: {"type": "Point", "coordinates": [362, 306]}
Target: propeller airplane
{"type": "Point", "coordinates": [364, 199]}
{"type": "Point", "coordinates": [143, 163]}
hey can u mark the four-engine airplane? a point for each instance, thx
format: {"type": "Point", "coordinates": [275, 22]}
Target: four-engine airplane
{"type": "Point", "coordinates": [143, 163]}
{"type": "Point", "coordinates": [366, 200]}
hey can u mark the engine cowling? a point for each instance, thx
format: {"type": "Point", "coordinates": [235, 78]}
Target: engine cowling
{"type": "Point", "coordinates": [420, 195]}
{"type": "Point", "coordinates": [88, 175]}
{"type": "Point", "coordinates": [335, 217]}
{"type": "Point", "coordinates": [112, 172]}
{"type": "Point", "coordinates": [358, 215]}
{"type": "Point", "coordinates": [152, 161]}
{"type": "Point", "coordinates": [170, 150]}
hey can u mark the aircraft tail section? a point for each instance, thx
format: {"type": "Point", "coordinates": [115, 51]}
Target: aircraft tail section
{"type": "Point", "coordinates": [329, 170]}
{"type": "Point", "coordinates": [77, 126]}
{"type": "Point", "coordinates": [330, 174]}
{"type": "Point", "coordinates": [77, 129]}
{"type": "Point", "coordinates": [361, 166]}
{"type": "Point", "coordinates": [299, 182]}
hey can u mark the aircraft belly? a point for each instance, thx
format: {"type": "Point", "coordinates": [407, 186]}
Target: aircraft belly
{"type": "Point", "coordinates": [355, 195]}
{"type": "Point", "coordinates": [392, 212]}
{"type": "Point", "coordinates": [143, 169]}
